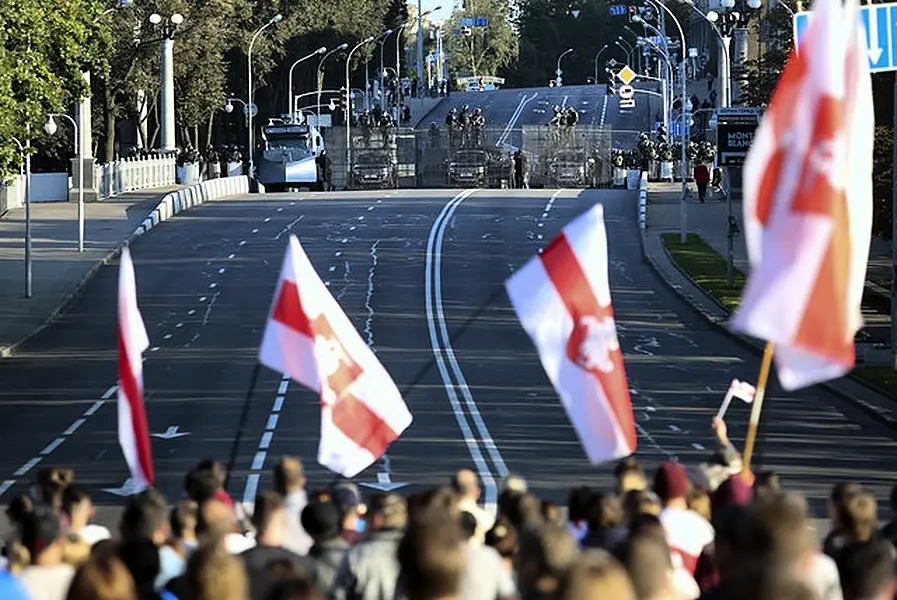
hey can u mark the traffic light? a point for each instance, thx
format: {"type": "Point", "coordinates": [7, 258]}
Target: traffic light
{"type": "Point", "coordinates": [611, 82]}
{"type": "Point", "coordinates": [632, 12]}
{"type": "Point", "coordinates": [343, 99]}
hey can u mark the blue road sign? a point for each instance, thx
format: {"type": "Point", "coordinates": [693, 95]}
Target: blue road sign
{"type": "Point", "coordinates": [619, 10]}
{"type": "Point", "coordinates": [481, 22]}
{"type": "Point", "coordinates": [880, 21]}
{"type": "Point", "coordinates": [466, 22]}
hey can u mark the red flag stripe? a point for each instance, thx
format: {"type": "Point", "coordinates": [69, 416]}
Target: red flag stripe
{"type": "Point", "coordinates": [362, 425]}
{"type": "Point", "coordinates": [572, 285]}
{"type": "Point", "coordinates": [288, 309]}
{"type": "Point", "coordinates": [130, 387]}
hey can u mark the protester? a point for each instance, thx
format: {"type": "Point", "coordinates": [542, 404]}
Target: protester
{"type": "Point", "coordinates": [289, 482]}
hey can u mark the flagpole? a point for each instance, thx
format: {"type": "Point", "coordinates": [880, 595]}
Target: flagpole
{"type": "Point", "coordinates": [244, 416]}
{"type": "Point", "coordinates": [757, 407]}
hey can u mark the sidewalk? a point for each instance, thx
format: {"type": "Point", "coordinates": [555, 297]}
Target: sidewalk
{"type": "Point", "coordinates": [58, 269]}
{"type": "Point", "coordinates": [709, 221]}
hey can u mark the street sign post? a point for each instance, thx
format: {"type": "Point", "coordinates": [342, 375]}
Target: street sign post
{"type": "Point", "coordinates": [735, 133]}
{"type": "Point", "coordinates": [627, 96]}
{"type": "Point", "coordinates": [880, 22]}
{"type": "Point", "coordinates": [626, 75]}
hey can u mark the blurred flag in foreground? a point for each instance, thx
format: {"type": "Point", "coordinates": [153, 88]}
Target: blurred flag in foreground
{"type": "Point", "coordinates": [562, 298]}
{"type": "Point", "coordinates": [808, 203]}
{"type": "Point", "coordinates": [133, 431]}
{"type": "Point", "coordinates": [309, 338]}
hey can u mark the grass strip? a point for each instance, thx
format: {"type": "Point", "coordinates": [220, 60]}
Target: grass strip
{"type": "Point", "coordinates": [708, 269]}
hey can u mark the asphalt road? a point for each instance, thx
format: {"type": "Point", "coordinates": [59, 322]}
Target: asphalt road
{"type": "Point", "coordinates": [516, 108]}
{"type": "Point", "coordinates": [205, 281]}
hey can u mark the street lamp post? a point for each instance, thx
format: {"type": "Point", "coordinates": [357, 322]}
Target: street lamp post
{"type": "Point", "coordinates": [290, 107]}
{"type": "Point", "coordinates": [559, 81]}
{"type": "Point", "coordinates": [627, 49]}
{"type": "Point", "coordinates": [25, 149]}
{"type": "Point", "coordinates": [167, 137]}
{"type": "Point", "coordinates": [383, 39]}
{"type": "Point", "coordinates": [367, 40]}
{"type": "Point", "coordinates": [50, 127]}
{"type": "Point", "coordinates": [686, 117]}
{"type": "Point", "coordinates": [597, 56]}
{"type": "Point", "coordinates": [320, 74]}
{"type": "Point", "coordinates": [249, 105]}
{"type": "Point", "coordinates": [420, 43]}
{"type": "Point", "coordinates": [399, 97]}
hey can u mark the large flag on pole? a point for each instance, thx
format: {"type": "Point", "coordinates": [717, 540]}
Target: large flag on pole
{"type": "Point", "coordinates": [309, 338]}
{"type": "Point", "coordinates": [133, 430]}
{"type": "Point", "coordinates": [562, 298]}
{"type": "Point", "coordinates": [808, 203]}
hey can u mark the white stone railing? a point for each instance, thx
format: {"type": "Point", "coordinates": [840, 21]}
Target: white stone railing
{"type": "Point", "coordinates": [130, 174]}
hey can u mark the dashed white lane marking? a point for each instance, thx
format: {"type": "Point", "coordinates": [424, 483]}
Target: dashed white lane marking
{"type": "Point", "coordinates": [27, 466]}
{"type": "Point", "coordinates": [332, 269]}
{"type": "Point", "coordinates": [255, 230]}
{"type": "Point", "coordinates": [179, 325]}
{"type": "Point", "coordinates": [52, 446]}
{"type": "Point", "coordinates": [338, 254]}
{"type": "Point", "coordinates": [370, 208]}
{"type": "Point", "coordinates": [258, 461]}
{"type": "Point", "coordinates": [361, 218]}
{"type": "Point", "coordinates": [192, 311]}
{"type": "Point", "coordinates": [267, 219]}
{"type": "Point", "coordinates": [603, 112]}
{"type": "Point", "coordinates": [213, 285]}
{"type": "Point", "coordinates": [353, 228]}
{"type": "Point", "coordinates": [167, 336]}
{"type": "Point", "coordinates": [74, 426]}
{"type": "Point", "coordinates": [221, 271]}
{"type": "Point", "coordinates": [367, 298]}
{"type": "Point", "coordinates": [674, 428]}
{"type": "Point", "coordinates": [231, 256]}
{"type": "Point", "coordinates": [344, 241]}
{"type": "Point", "coordinates": [697, 446]}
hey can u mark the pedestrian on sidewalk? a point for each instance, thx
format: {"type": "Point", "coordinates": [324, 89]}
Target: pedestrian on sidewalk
{"type": "Point", "coordinates": [702, 178]}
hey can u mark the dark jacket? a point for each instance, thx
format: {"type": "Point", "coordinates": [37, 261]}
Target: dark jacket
{"type": "Point", "coordinates": [258, 560]}
{"type": "Point", "coordinates": [328, 557]}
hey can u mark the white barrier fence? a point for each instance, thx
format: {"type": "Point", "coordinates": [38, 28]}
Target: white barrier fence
{"type": "Point", "coordinates": [181, 200]}
{"type": "Point", "coordinates": [131, 174]}
{"type": "Point", "coordinates": [110, 180]}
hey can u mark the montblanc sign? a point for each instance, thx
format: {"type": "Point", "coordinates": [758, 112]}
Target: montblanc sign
{"type": "Point", "coordinates": [735, 133]}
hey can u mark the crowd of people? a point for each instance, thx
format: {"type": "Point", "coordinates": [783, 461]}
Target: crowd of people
{"type": "Point", "coordinates": [660, 536]}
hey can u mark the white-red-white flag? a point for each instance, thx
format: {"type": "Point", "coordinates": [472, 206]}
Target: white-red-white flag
{"type": "Point", "coordinates": [562, 298]}
{"type": "Point", "coordinates": [133, 430]}
{"type": "Point", "coordinates": [309, 338]}
{"type": "Point", "coordinates": [808, 203]}
{"type": "Point", "coordinates": [742, 390]}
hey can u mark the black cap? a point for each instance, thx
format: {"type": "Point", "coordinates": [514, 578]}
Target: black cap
{"type": "Point", "coordinates": [321, 519]}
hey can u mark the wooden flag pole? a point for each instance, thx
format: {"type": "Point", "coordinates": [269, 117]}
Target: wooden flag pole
{"type": "Point", "coordinates": [757, 407]}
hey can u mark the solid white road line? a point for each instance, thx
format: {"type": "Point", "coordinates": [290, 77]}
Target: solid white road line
{"type": "Point", "coordinates": [442, 348]}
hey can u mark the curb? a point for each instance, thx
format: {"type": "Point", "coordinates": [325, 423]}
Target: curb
{"type": "Point", "coordinates": [870, 409]}
{"type": "Point", "coordinates": [170, 205]}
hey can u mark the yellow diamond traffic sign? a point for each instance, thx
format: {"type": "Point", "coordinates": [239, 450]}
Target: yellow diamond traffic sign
{"type": "Point", "coordinates": [626, 75]}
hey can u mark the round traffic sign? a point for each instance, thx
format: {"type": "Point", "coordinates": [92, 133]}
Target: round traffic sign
{"type": "Point", "coordinates": [251, 110]}
{"type": "Point", "coordinates": [627, 92]}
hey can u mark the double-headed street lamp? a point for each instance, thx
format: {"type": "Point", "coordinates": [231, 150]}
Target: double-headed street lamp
{"type": "Point", "coordinates": [320, 74]}
{"type": "Point", "coordinates": [50, 127]}
{"type": "Point", "coordinates": [290, 106]}
{"type": "Point", "coordinates": [597, 56]}
{"type": "Point", "coordinates": [559, 73]}
{"type": "Point", "coordinates": [420, 42]}
{"type": "Point", "coordinates": [367, 40]}
{"type": "Point", "coordinates": [399, 29]}
{"type": "Point", "coordinates": [250, 107]}
{"type": "Point", "coordinates": [383, 38]}
{"type": "Point", "coordinates": [168, 29]}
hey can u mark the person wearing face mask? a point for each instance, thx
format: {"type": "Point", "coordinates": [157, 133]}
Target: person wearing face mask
{"type": "Point", "coordinates": [347, 498]}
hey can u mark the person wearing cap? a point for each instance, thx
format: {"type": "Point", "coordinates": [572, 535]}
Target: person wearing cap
{"type": "Point", "coordinates": [322, 519]}
{"type": "Point", "coordinates": [47, 577]}
{"type": "Point", "coordinates": [688, 533]}
{"type": "Point", "coordinates": [289, 482]}
{"type": "Point", "coordinates": [347, 498]}
{"type": "Point", "coordinates": [371, 568]}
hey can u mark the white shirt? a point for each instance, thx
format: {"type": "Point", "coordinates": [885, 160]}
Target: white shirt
{"type": "Point", "coordinates": [93, 533]}
{"type": "Point", "coordinates": [688, 533]}
{"type": "Point", "coordinates": [296, 539]}
{"type": "Point", "coordinates": [47, 583]}
{"type": "Point", "coordinates": [236, 543]}
{"type": "Point", "coordinates": [484, 521]}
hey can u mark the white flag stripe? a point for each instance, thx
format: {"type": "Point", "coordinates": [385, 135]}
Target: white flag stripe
{"type": "Point", "coordinates": [544, 317]}
{"type": "Point", "coordinates": [588, 238]}
{"type": "Point", "coordinates": [318, 346]}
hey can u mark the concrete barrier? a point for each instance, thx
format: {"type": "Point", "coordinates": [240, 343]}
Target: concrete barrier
{"type": "Point", "coordinates": [643, 203]}
{"type": "Point", "coordinates": [181, 200]}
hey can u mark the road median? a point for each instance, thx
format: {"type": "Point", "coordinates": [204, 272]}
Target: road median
{"type": "Point", "coordinates": [706, 268]}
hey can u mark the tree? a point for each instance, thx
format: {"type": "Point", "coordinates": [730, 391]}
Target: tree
{"type": "Point", "coordinates": [762, 74]}
{"type": "Point", "coordinates": [487, 49]}
{"type": "Point", "coordinates": [43, 48]}
{"type": "Point", "coordinates": [547, 28]}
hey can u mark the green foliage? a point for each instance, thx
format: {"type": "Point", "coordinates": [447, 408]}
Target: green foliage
{"type": "Point", "coordinates": [43, 48]}
{"type": "Point", "coordinates": [706, 267]}
{"type": "Point", "coordinates": [547, 28]}
{"type": "Point", "coordinates": [882, 181]}
{"type": "Point", "coordinates": [762, 75]}
{"type": "Point", "coordinates": [489, 48]}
